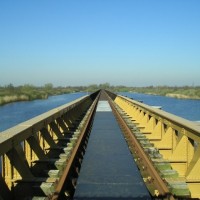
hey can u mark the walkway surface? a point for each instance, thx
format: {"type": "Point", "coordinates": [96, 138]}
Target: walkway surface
{"type": "Point", "coordinates": [108, 170]}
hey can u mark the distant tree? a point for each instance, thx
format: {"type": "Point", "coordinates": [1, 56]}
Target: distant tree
{"type": "Point", "coordinates": [48, 86]}
{"type": "Point", "coordinates": [104, 86]}
{"type": "Point", "coordinates": [27, 87]}
{"type": "Point", "coordinates": [10, 88]}
{"type": "Point", "coordinates": [91, 88]}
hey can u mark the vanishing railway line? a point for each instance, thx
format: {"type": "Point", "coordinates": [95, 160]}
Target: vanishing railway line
{"type": "Point", "coordinates": [77, 151]}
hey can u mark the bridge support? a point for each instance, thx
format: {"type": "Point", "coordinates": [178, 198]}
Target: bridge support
{"type": "Point", "coordinates": [42, 156]}
{"type": "Point", "coordinates": [176, 139]}
{"type": "Point", "coordinates": [37, 153]}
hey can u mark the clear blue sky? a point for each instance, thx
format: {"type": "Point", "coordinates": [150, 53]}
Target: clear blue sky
{"type": "Point", "coordinates": [82, 42]}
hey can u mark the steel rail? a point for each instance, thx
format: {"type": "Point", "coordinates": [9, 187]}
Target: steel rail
{"type": "Point", "coordinates": [66, 171]}
{"type": "Point", "coordinates": [179, 121]}
{"type": "Point", "coordinates": [161, 188]}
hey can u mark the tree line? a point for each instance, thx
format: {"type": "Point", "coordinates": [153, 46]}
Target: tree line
{"type": "Point", "coordinates": [10, 93]}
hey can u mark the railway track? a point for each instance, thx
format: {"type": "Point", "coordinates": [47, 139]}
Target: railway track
{"type": "Point", "coordinates": [60, 172]}
{"type": "Point", "coordinates": [152, 179]}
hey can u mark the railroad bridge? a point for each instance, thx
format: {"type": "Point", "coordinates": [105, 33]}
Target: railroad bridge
{"type": "Point", "coordinates": [101, 146]}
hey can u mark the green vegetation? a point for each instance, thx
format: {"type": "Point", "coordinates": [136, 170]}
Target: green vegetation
{"type": "Point", "coordinates": [27, 92]}
{"type": "Point", "coordinates": [185, 92]}
{"type": "Point", "coordinates": [10, 93]}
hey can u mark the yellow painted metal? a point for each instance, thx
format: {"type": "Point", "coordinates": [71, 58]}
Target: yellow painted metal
{"type": "Point", "coordinates": [7, 171]}
{"type": "Point", "coordinates": [177, 139]}
{"type": "Point", "coordinates": [25, 144]}
{"type": "Point", "coordinates": [194, 166]}
{"type": "Point", "coordinates": [29, 153]}
{"type": "Point", "coordinates": [194, 189]}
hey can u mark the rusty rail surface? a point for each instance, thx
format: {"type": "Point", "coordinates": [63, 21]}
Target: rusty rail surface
{"type": "Point", "coordinates": [158, 187]}
{"type": "Point", "coordinates": [74, 153]}
{"type": "Point", "coordinates": [42, 156]}
{"type": "Point", "coordinates": [171, 143]}
{"type": "Point", "coordinates": [38, 156]}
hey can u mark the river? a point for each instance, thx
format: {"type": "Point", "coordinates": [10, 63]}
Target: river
{"type": "Point", "coordinates": [186, 108]}
{"type": "Point", "coordinates": [15, 113]}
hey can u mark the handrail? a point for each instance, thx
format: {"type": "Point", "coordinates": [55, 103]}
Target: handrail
{"type": "Point", "coordinates": [24, 130]}
{"type": "Point", "coordinates": [38, 139]}
{"type": "Point", "coordinates": [176, 139]}
{"type": "Point", "coordinates": [179, 121]}
{"type": "Point", "coordinates": [33, 152]}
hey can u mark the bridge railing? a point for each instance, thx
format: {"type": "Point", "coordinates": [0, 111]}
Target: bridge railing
{"type": "Point", "coordinates": [177, 139]}
{"type": "Point", "coordinates": [27, 149]}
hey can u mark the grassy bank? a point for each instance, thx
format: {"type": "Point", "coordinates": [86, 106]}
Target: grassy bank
{"type": "Point", "coordinates": [10, 93]}
{"type": "Point", "coordinates": [27, 92]}
{"type": "Point", "coordinates": [185, 92]}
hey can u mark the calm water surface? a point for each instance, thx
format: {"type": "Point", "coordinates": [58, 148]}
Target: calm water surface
{"type": "Point", "coordinates": [15, 113]}
{"type": "Point", "coordinates": [186, 108]}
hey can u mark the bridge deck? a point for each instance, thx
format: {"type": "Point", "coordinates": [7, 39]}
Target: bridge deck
{"type": "Point", "coordinates": [108, 170]}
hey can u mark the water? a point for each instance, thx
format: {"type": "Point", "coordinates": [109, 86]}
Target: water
{"type": "Point", "coordinates": [15, 113]}
{"type": "Point", "coordinates": [186, 108]}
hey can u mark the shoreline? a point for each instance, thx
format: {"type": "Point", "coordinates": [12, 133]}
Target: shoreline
{"type": "Point", "coordinates": [18, 98]}
{"type": "Point", "coordinates": [181, 96]}
{"type": "Point", "coordinates": [176, 96]}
